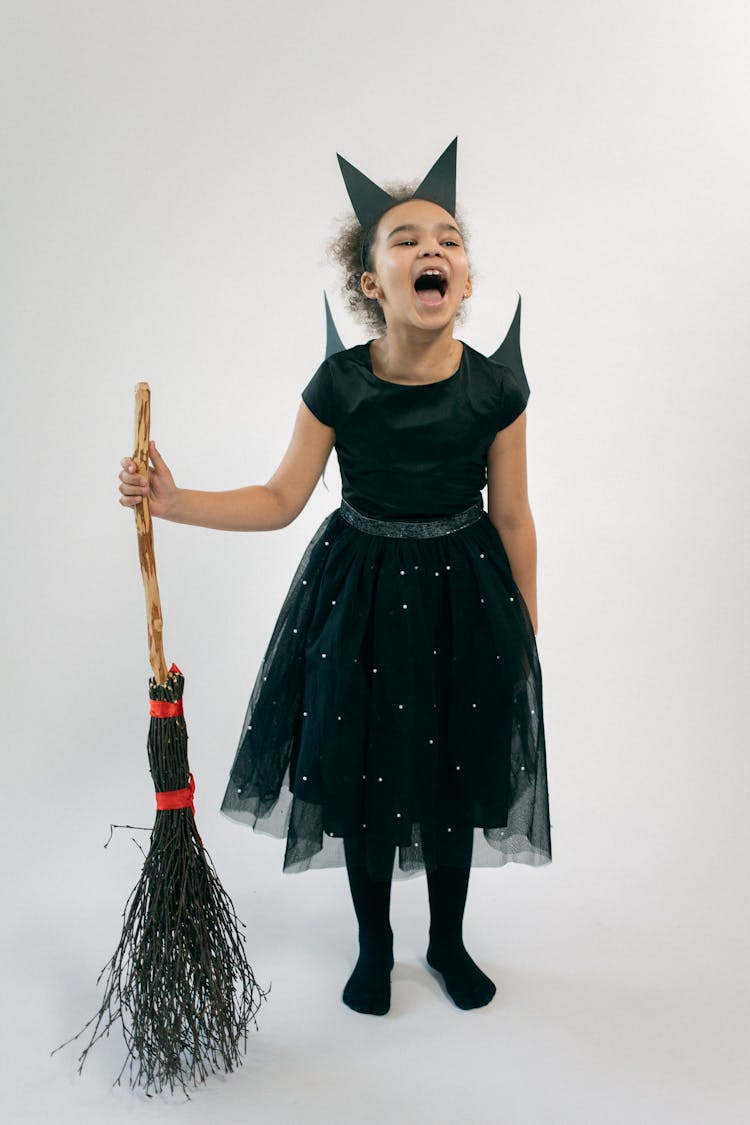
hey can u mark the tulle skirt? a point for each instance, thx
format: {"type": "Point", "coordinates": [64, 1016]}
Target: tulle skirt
{"type": "Point", "coordinates": [398, 705]}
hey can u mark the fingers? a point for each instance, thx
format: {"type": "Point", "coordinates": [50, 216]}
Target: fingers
{"type": "Point", "coordinates": [129, 466]}
{"type": "Point", "coordinates": [134, 486]}
{"type": "Point", "coordinates": [132, 481]}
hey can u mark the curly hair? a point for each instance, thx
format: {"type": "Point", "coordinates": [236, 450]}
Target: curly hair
{"type": "Point", "coordinates": [352, 246]}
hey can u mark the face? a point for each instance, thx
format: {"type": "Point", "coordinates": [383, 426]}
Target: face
{"type": "Point", "coordinates": [412, 238]}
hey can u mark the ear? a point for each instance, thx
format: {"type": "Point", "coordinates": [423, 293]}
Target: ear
{"type": "Point", "coordinates": [370, 286]}
{"type": "Point", "coordinates": [467, 288]}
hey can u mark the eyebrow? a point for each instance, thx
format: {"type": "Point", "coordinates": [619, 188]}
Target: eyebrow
{"type": "Point", "coordinates": [414, 226]}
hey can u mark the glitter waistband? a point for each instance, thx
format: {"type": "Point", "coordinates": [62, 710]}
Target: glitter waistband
{"type": "Point", "coordinates": [407, 529]}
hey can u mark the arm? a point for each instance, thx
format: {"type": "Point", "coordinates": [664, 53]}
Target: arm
{"type": "Point", "coordinates": [257, 507]}
{"type": "Point", "coordinates": [509, 510]}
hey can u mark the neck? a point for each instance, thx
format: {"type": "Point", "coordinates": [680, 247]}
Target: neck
{"type": "Point", "coordinates": [404, 353]}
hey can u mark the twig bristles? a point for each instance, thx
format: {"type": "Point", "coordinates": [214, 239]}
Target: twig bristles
{"type": "Point", "coordinates": [179, 981]}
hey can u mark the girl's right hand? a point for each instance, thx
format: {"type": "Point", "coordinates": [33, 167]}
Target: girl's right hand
{"type": "Point", "coordinates": [159, 487]}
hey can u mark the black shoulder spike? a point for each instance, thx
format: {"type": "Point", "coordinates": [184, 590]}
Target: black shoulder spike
{"type": "Point", "coordinates": [333, 340]}
{"type": "Point", "coordinates": [509, 352]}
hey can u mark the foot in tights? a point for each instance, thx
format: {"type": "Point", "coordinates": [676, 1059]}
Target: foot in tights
{"type": "Point", "coordinates": [368, 989]}
{"type": "Point", "coordinates": [465, 982]}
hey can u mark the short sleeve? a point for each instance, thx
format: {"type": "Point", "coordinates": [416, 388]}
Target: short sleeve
{"type": "Point", "coordinates": [512, 399]}
{"type": "Point", "coordinates": [318, 395]}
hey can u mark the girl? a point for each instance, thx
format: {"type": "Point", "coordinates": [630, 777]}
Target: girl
{"type": "Point", "coordinates": [395, 726]}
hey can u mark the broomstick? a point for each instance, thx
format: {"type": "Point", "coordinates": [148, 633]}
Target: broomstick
{"type": "Point", "coordinates": [179, 981]}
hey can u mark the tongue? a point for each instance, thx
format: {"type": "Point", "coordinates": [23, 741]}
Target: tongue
{"type": "Point", "coordinates": [429, 296]}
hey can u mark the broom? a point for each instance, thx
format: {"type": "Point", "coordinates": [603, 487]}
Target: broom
{"type": "Point", "coordinates": [179, 981]}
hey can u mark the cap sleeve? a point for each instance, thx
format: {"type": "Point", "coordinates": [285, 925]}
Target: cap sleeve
{"type": "Point", "coordinates": [511, 400]}
{"type": "Point", "coordinates": [318, 395]}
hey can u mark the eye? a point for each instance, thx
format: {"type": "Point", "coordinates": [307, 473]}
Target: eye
{"type": "Point", "coordinates": [408, 242]}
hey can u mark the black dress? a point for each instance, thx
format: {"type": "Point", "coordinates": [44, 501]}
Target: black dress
{"type": "Point", "coordinates": [399, 701]}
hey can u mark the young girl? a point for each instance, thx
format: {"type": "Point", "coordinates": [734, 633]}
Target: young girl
{"type": "Point", "coordinates": [395, 726]}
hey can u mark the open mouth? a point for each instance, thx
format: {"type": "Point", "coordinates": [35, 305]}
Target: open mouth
{"type": "Point", "coordinates": [431, 288]}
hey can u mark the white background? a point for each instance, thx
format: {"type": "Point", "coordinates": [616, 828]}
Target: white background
{"type": "Point", "coordinates": [169, 182]}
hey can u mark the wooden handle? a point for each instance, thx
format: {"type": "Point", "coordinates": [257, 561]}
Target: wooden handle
{"type": "Point", "coordinates": [144, 528]}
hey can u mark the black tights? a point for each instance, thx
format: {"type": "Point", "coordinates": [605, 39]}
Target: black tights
{"type": "Point", "coordinates": [369, 987]}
